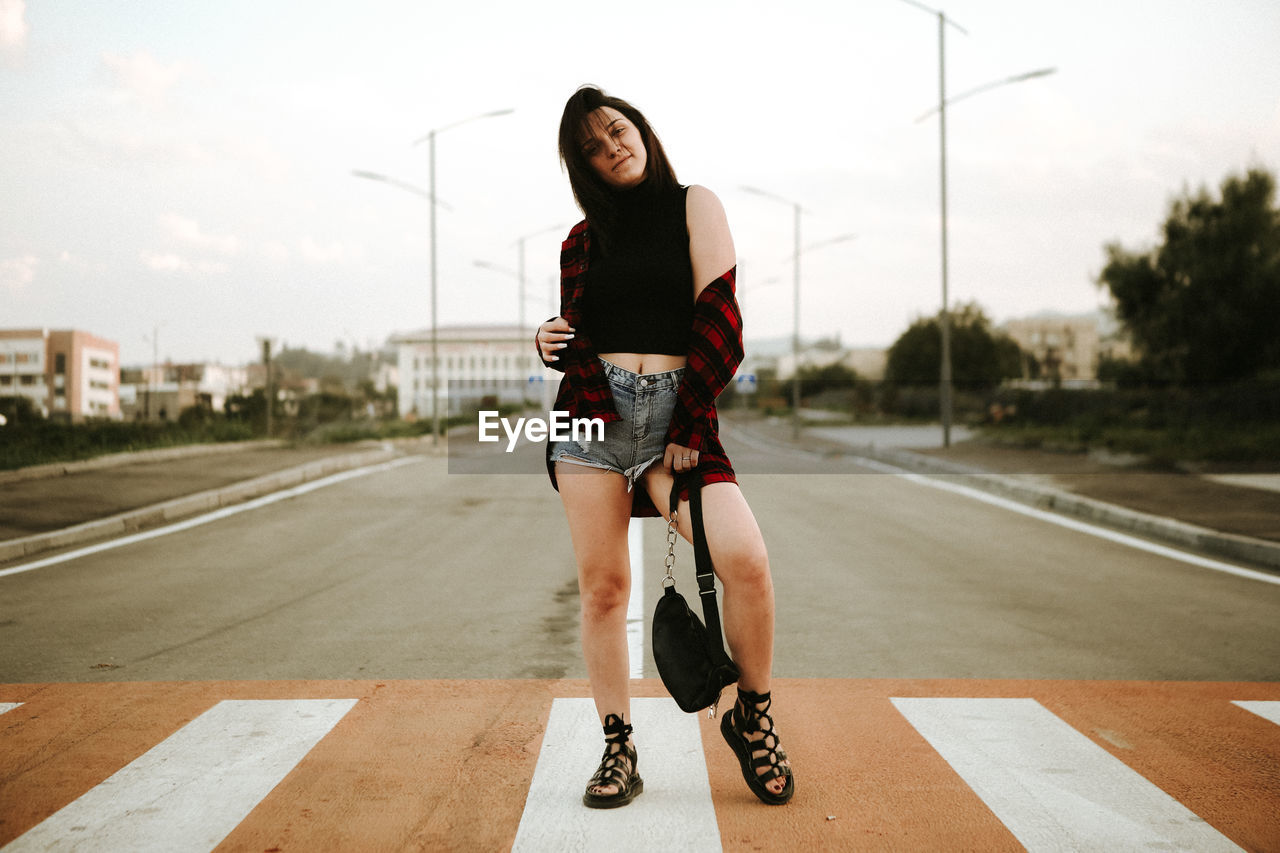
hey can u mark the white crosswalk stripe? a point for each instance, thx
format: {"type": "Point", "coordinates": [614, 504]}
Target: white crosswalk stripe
{"type": "Point", "coordinates": [674, 813]}
{"type": "Point", "coordinates": [1266, 710]}
{"type": "Point", "coordinates": [1054, 789]}
{"type": "Point", "coordinates": [635, 603]}
{"type": "Point", "coordinates": [192, 789]}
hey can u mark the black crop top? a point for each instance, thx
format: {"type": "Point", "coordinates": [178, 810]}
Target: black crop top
{"type": "Point", "coordinates": [639, 290]}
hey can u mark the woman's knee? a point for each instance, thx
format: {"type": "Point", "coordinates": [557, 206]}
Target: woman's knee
{"type": "Point", "coordinates": [746, 567]}
{"type": "Point", "coordinates": [603, 591]}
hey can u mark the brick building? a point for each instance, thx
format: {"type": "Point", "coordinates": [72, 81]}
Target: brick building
{"type": "Point", "coordinates": [66, 374]}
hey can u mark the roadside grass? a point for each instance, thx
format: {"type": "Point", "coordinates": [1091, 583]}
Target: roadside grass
{"type": "Point", "coordinates": [1253, 445]}
{"type": "Point", "coordinates": [40, 442]}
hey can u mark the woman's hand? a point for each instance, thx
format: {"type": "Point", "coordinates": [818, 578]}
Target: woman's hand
{"type": "Point", "coordinates": [552, 337]}
{"type": "Point", "coordinates": [678, 459]}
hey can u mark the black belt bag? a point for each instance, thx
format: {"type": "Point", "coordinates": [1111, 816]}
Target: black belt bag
{"type": "Point", "coordinates": [690, 656]}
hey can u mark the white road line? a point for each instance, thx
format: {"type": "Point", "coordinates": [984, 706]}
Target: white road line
{"type": "Point", "coordinates": [674, 812]}
{"type": "Point", "coordinates": [191, 790]}
{"type": "Point", "coordinates": [1266, 710]}
{"type": "Point", "coordinates": [216, 515]}
{"type": "Point", "coordinates": [1074, 524]}
{"type": "Point", "coordinates": [1049, 784]}
{"type": "Point", "coordinates": [635, 603]}
{"type": "Point", "coordinates": [6, 707]}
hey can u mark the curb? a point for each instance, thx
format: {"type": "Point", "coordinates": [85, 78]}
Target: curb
{"type": "Point", "coordinates": [169, 511]}
{"type": "Point", "coordinates": [115, 460]}
{"type": "Point", "coordinates": [1168, 530]}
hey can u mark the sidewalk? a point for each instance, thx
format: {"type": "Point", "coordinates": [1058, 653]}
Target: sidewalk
{"type": "Point", "coordinates": [1232, 516]}
{"type": "Point", "coordinates": [57, 506]}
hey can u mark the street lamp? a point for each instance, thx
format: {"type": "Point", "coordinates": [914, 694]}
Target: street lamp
{"type": "Point", "coordinates": [430, 139]}
{"type": "Point", "coordinates": [519, 278]}
{"type": "Point", "coordinates": [520, 274]}
{"type": "Point", "coordinates": [822, 244]}
{"type": "Point", "coordinates": [152, 382]}
{"type": "Point", "coordinates": [944, 320]}
{"type": "Point", "coordinates": [534, 372]}
{"type": "Point", "coordinates": [396, 182]}
{"type": "Point", "coordinates": [268, 391]}
{"type": "Point", "coordinates": [430, 196]}
{"type": "Point", "coordinates": [795, 320]}
{"type": "Point", "coordinates": [995, 84]}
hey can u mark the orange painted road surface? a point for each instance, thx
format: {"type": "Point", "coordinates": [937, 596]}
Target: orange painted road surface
{"type": "Point", "coordinates": [882, 764]}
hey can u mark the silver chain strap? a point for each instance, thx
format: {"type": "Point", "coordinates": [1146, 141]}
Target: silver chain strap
{"type": "Point", "coordinates": [670, 581]}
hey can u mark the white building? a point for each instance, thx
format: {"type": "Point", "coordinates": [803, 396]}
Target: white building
{"type": "Point", "coordinates": [477, 364]}
{"type": "Point", "coordinates": [216, 382]}
{"type": "Point", "coordinates": [867, 362]}
{"type": "Point", "coordinates": [164, 391]}
{"type": "Point", "coordinates": [23, 357]}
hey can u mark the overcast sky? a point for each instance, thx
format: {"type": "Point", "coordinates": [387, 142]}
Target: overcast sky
{"type": "Point", "coordinates": [186, 166]}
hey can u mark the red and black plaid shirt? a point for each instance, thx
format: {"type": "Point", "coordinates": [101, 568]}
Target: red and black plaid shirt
{"type": "Point", "coordinates": [715, 351]}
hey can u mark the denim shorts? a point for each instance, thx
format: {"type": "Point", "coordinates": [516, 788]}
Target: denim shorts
{"type": "Point", "coordinates": [645, 403]}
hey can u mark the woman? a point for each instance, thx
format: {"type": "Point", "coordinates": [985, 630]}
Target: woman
{"type": "Point", "coordinates": [649, 334]}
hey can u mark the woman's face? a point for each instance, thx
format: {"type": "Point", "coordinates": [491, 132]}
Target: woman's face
{"type": "Point", "coordinates": [614, 149]}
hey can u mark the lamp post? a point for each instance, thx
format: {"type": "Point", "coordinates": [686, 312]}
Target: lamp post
{"type": "Point", "coordinates": [516, 276]}
{"type": "Point", "coordinates": [822, 244]}
{"type": "Point", "coordinates": [521, 241]}
{"type": "Point", "coordinates": [430, 195]}
{"type": "Point", "coordinates": [152, 382]}
{"type": "Point", "coordinates": [944, 318]}
{"type": "Point", "coordinates": [268, 390]}
{"type": "Point", "coordinates": [1016, 78]}
{"type": "Point", "coordinates": [795, 320]}
{"type": "Point", "coordinates": [534, 367]}
{"type": "Point", "coordinates": [519, 273]}
{"type": "Point", "coordinates": [430, 139]}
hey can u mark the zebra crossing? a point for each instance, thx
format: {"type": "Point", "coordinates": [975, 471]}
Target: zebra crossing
{"type": "Point", "coordinates": [189, 791]}
{"type": "Point", "coordinates": [481, 765]}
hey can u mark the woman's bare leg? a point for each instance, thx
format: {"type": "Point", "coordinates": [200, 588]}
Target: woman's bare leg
{"type": "Point", "coordinates": [742, 564]}
{"type": "Point", "coordinates": [598, 508]}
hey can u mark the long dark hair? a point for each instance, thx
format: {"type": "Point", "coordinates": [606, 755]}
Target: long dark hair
{"type": "Point", "coordinates": [597, 199]}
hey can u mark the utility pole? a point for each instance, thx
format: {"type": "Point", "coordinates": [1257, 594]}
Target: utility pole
{"type": "Point", "coordinates": [269, 390]}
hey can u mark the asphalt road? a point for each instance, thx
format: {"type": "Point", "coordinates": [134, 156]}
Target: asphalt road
{"type": "Point", "coordinates": [417, 573]}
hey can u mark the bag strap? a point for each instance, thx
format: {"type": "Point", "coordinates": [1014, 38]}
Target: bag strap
{"type": "Point", "coordinates": [702, 562]}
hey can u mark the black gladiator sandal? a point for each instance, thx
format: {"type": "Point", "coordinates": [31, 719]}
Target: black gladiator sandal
{"type": "Point", "coordinates": [617, 768]}
{"type": "Point", "coordinates": [746, 718]}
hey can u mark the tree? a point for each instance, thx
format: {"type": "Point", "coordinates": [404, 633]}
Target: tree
{"type": "Point", "coordinates": [19, 410]}
{"type": "Point", "coordinates": [1203, 305]}
{"type": "Point", "coordinates": [980, 358]}
{"type": "Point", "coordinates": [831, 377]}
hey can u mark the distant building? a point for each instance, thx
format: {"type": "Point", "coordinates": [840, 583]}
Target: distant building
{"type": "Point", "coordinates": [1065, 349]}
{"type": "Point", "coordinates": [386, 375]}
{"type": "Point", "coordinates": [162, 392]}
{"type": "Point", "coordinates": [477, 363]}
{"type": "Point", "coordinates": [866, 362]}
{"type": "Point", "coordinates": [67, 374]}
